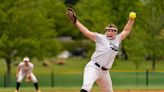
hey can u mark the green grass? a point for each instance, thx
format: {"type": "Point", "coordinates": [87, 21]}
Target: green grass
{"type": "Point", "coordinates": [76, 65]}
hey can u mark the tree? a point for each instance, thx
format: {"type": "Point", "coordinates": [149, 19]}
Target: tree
{"type": "Point", "coordinates": [154, 25]}
{"type": "Point", "coordinates": [70, 2]}
{"type": "Point", "coordinates": [26, 30]}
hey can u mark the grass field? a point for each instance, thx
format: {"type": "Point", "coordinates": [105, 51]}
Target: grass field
{"type": "Point", "coordinates": [76, 65]}
{"type": "Point", "coordinates": [69, 76]}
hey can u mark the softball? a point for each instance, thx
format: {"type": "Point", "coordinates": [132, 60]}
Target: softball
{"type": "Point", "coordinates": [132, 15]}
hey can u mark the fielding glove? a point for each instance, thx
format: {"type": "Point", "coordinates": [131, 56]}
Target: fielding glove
{"type": "Point", "coordinates": [28, 79]}
{"type": "Point", "coordinates": [71, 14]}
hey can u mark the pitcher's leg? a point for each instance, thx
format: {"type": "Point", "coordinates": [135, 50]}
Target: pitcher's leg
{"type": "Point", "coordinates": [90, 76]}
{"type": "Point", "coordinates": [105, 83]}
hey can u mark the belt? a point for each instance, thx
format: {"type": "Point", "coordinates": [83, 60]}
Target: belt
{"type": "Point", "coordinates": [103, 68]}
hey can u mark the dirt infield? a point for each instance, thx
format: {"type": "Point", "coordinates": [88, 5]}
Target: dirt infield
{"type": "Point", "coordinates": [138, 90]}
{"type": "Point", "coordinates": [114, 91]}
{"type": "Point", "coordinates": [130, 90]}
{"type": "Point", "coordinates": [127, 90]}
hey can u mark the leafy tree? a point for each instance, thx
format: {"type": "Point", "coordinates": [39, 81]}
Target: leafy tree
{"type": "Point", "coordinates": [70, 2]}
{"type": "Point", "coordinates": [154, 25]}
{"type": "Point", "coordinates": [26, 30]}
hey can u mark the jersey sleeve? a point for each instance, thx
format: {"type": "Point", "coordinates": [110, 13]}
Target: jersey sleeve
{"type": "Point", "coordinates": [31, 68]}
{"type": "Point", "coordinates": [20, 64]}
{"type": "Point", "coordinates": [99, 37]}
{"type": "Point", "coordinates": [119, 38]}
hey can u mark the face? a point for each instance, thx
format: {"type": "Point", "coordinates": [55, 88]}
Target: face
{"type": "Point", "coordinates": [26, 62]}
{"type": "Point", "coordinates": [110, 33]}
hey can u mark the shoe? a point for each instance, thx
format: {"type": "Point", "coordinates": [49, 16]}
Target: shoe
{"type": "Point", "coordinates": [16, 90]}
{"type": "Point", "coordinates": [38, 91]}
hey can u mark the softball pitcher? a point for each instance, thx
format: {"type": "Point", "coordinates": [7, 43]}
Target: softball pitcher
{"type": "Point", "coordinates": [24, 69]}
{"type": "Point", "coordinates": [107, 46]}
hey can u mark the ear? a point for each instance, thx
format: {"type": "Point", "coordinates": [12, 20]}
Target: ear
{"type": "Point", "coordinates": [115, 33]}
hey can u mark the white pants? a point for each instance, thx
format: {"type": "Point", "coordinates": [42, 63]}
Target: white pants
{"type": "Point", "coordinates": [92, 74]}
{"type": "Point", "coordinates": [22, 75]}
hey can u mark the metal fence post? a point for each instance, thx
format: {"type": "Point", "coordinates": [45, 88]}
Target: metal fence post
{"type": "Point", "coordinates": [137, 78]}
{"type": "Point", "coordinates": [5, 80]}
{"type": "Point", "coordinates": [147, 77]}
{"type": "Point", "coordinates": [52, 79]}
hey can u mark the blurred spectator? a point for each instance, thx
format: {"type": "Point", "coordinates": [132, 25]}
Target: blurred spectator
{"type": "Point", "coordinates": [65, 54]}
{"type": "Point", "coordinates": [61, 57]}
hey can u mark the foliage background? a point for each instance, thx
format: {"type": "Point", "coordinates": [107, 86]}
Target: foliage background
{"type": "Point", "coordinates": [32, 28]}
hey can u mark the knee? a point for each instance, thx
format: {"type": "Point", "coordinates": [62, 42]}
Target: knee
{"type": "Point", "coordinates": [83, 90]}
{"type": "Point", "coordinates": [86, 87]}
{"type": "Point", "coordinates": [19, 80]}
{"type": "Point", "coordinates": [35, 81]}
